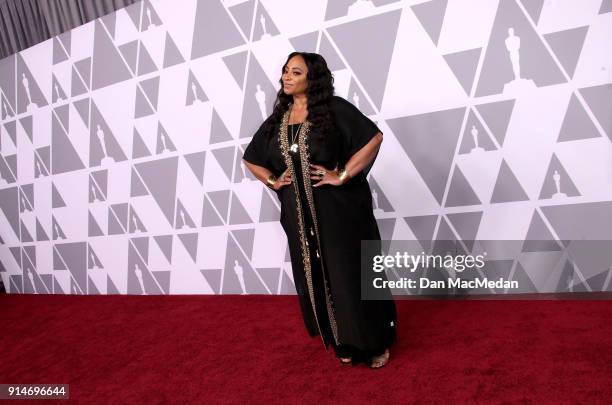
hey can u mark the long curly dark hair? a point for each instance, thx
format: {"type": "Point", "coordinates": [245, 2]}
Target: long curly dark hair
{"type": "Point", "coordinates": [318, 93]}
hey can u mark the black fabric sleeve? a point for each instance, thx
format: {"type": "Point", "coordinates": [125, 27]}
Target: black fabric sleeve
{"type": "Point", "coordinates": [355, 129]}
{"type": "Point", "coordinates": [257, 150]}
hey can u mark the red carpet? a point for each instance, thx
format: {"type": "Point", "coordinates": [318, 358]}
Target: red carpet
{"type": "Point", "coordinates": [245, 349]}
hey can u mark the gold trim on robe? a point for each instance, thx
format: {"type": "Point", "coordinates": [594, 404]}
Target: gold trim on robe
{"type": "Point", "coordinates": [305, 165]}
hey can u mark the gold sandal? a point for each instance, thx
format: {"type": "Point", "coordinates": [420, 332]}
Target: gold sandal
{"type": "Point", "coordinates": [380, 361]}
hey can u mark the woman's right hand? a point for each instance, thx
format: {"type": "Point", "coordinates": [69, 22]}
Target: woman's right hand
{"type": "Point", "coordinates": [283, 180]}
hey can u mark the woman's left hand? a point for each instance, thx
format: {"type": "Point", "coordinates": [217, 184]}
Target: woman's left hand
{"type": "Point", "coordinates": [325, 176]}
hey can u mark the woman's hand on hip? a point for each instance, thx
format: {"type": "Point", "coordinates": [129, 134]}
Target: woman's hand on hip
{"type": "Point", "coordinates": [325, 176]}
{"type": "Point", "coordinates": [283, 180]}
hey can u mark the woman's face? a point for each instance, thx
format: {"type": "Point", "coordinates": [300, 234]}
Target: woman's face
{"type": "Point", "coordinates": [294, 76]}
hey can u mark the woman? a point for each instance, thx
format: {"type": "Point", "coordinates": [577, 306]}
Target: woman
{"type": "Point", "coordinates": [314, 151]}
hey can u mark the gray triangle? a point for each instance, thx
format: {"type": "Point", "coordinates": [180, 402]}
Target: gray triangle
{"type": "Point", "coordinates": [483, 141]}
{"type": "Point", "coordinates": [243, 14]}
{"type": "Point", "coordinates": [111, 289]}
{"type": "Point", "coordinates": [287, 287]}
{"type": "Point", "coordinates": [370, 60]}
{"type": "Point", "coordinates": [129, 51]}
{"type": "Point", "coordinates": [150, 19]}
{"type": "Point", "coordinates": [35, 94]}
{"type": "Point", "coordinates": [142, 108]}
{"type": "Point", "coordinates": [59, 54]}
{"type": "Point", "coordinates": [91, 287]}
{"type": "Point", "coordinates": [238, 215]}
{"type": "Point", "coordinates": [246, 240]}
{"type": "Point", "coordinates": [150, 87]}
{"type": "Point", "coordinates": [25, 234]}
{"type": "Point", "coordinates": [218, 130]}
{"type": "Point", "coordinates": [58, 263]}
{"type": "Point", "coordinates": [195, 92]}
{"type": "Point", "coordinates": [11, 162]}
{"type": "Point", "coordinates": [93, 228]}
{"type": "Point", "coordinates": [209, 215]}
{"type": "Point", "coordinates": [566, 185]}
{"type": "Point", "coordinates": [83, 66]}
{"type": "Point", "coordinates": [190, 241]}
{"type": "Point", "coordinates": [270, 277]}
{"type": "Point", "coordinates": [466, 224]}
{"type": "Point", "coordinates": [598, 99]}
{"type": "Point", "coordinates": [135, 222]}
{"type": "Point", "coordinates": [64, 157]}
{"type": "Point", "coordinates": [225, 157]}
{"type": "Point", "coordinates": [62, 114]}
{"type": "Point", "coordinates": [257, 81]}
{"type": "Point", "coordinates": [99, 128]}
{"type": "Point", "coordinates": [110, 21]}
{"type": "Point", "coordinates": [271, 29]}
{"type": "Point", "coordinates": [56, 199]}
{"type": "Point", "coordinates": [172, 55]}
{"type": "Point", "coordinates": [74, 254]}
{"type": "Point", "coordinates": [539, 238]}
{"type": "Point", "coordinates": [137, 187]}
{"type": "Point", "coordinates": [141, 245]}
{"type": "Point", "coordinates": [41, 235]}
{"type": "Point", "coordinates": [507, 187]}
{"type": "Point", "coordinates": [82, 107]}
{"type": "Point", "coordinates": [119, 212]}
{"type": "Point", "coordinates": [534, 9]}
{"type": "Point", "coordinates": [16, 252]}
{"type": "Point", "coordinates": [460, 192]}
{"type": "Point", "coordinates": [331, 56]}
{"type": "Point", "coordinates": [231, 284]}
{"type": "Point", "coordinates": [57, 289]}
{"type": "Point", "coordinates": [139, 148]}
{"type": "Point", "coordinates": [169, 145]}
{"type": "Point", "coordinates": [361, 102]}
{"type": "Point", "coordinates": [497, 117]}
{"type": "Point", "coordinates": [305, 42]}
{"type": "Point", "coordinates": [16, 282]}
{"type": "Point", "coordinates": [11, 128]}
{"type": "Point", "coordinates": [236, 64]}
{"type": "Point", "coordinates": [57, 90]}
{"type": "Point", "coordinates": [26, 124]}
{"type": "Point", "coordinates": [77, 87]}
{"type": "Point", "coordinates": [41, 163]}
{"type": "Point", "coordinates": [431, 155]}
{"type": "Point", "coordinates": [213, 278]}
{"type": "Point", "coordinates": [576, 123]}
{"type": "Point", "coordinates": [47, 280]}
{"type": "Point", "coordinates": [379, 199]}
{"type": "Point", "coordinates": [268, 211]}
{"type": "Point", "coordinates": [6, 170]}
{"type": "Point", "coordinates": [163, 279]}
{"type": "Point", "coordinates": [179, 222]}
{"type": "Point", "coordinates": [606, 6]}
{"type": "Point", "coordinates": [220, 200]}
{"type": "Point", "coordinates": [590, 221]}
{"type": "Point", "coordinates": [135, 13]}
{"type": "Point", "coordinates": [537, 66]}
{"type": "Point", "coordinates": [145, 62]}
{"type": "Point", "coordinates": [165, 245]}
{"type": "Point", "coordinates": [108, 66]}
{"type": "Point", "coordinates": [567, 45]}
{"type": "Point", "coordinates": [431, 16]}
{"type": "Point", "coordinates": [160, 178]}
{"type": "Point", "coordinates": [423, 227]}
{"type": "Point", "coordinates": [100, 178]}
{"type": "Point", "coordinates": [213, 21]}
{"type": "Point", "coordinates": [196, 162]}
{"type": "Point", "coordinates": [463, 65]}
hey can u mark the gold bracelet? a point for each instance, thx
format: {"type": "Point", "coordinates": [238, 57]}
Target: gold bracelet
{"type": "Point", "coordinates": [271, 180]}
{"type": "Point", "coordinates": [344, 174]}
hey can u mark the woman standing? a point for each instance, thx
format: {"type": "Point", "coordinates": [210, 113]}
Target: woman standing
{"type": "Point", "coordinates": [314, 151]}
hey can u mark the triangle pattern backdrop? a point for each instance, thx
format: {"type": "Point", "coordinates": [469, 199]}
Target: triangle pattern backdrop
{"type": "Point", "coordinates": [121, 140]}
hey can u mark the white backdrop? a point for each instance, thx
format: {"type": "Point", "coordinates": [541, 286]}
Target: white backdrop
{"type": "Point", "coordinates": [121, 140]}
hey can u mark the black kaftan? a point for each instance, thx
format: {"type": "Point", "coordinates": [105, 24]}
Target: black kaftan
{"type": "Point", "coordinates": [325, 226]}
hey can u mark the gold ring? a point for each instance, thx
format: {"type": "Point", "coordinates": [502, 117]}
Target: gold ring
{"type": "Point", "coordinates": [321, 173]}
